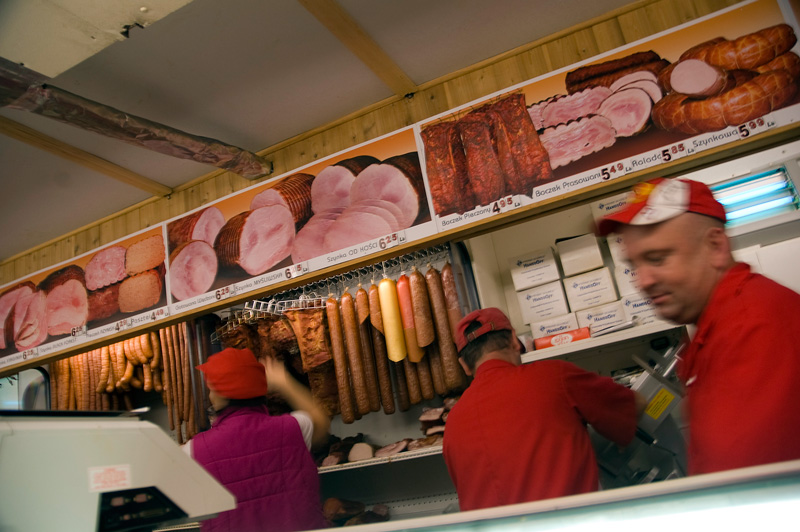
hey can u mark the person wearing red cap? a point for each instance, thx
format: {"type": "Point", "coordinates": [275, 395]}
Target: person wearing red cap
{"type": "Point", "coordinates": [518, 433]}
{"type": "Point", "coordinates": [741, 367]}
{"type": "Point", "coordinates": [264, 460]}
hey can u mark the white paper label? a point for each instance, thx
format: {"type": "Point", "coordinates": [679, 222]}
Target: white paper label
{"type": "Point", "coordinates": [109, 478]}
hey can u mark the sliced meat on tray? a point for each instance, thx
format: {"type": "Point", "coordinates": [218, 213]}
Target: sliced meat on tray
{"type": "Point", "coordinates": [106, 267]}
{"type": "Point", "coordinates": [570, 142]}
{"type": "Point", "coordinates": [393, 448]}
{"type": "Point", "coordinates": [331, 187]}
{"type": "Point", "coordinates": [628, 110]}
{"type": "Point", "coordinates": [397, 180]}
{"type": "Point", "coordinates": [201, 225]}
{"type": "Point", "coordinates": [256, 240]}
{"type": "Point", "coordinates": [310, 240]}
{"type": "Point", "coordinates": [30, 320]}
{"type": "Point", "coordinates": [293, 192]}
{"type": "Point", "coordinates": [565, 108]}
{"type": "Point", "coordinates": [8, 300]}
{"type": "Point", "coordinates": [192, 269]}
{"type": "Point", "coordinates": [67, 300]}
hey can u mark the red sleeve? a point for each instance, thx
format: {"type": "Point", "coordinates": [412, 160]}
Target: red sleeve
{"type": "Point", "coordinates": [607, 406]}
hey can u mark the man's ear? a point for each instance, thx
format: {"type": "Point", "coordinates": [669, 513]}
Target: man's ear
{"type": "Point", "coordinates": [719, 247]}
{"type": "Point", "coordinates": [465, 367]}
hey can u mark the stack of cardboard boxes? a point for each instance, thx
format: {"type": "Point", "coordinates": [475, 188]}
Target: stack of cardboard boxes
{"type": "Point", "coordinates": [579, 290]}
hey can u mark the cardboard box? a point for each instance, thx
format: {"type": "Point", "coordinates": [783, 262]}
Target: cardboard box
{"type": "Point", "coordinates": [602, 316]}
{"type": "Point", "coordinates": [551, 326]}
{"type": "Point", "coordinates": [616, 249]}
{"type": "Point", "coordinates": [542, 302]}
{"type": "Point", "coordinates": [590, 289]}
{"type": "Point", "coordinates": [579, 254]}
{"type": "Point", "coordinates": [638, 307]}
{"type": "Point", "coordinates": [562, 338]}
{"type": "Point", "coordinates": [533, 269]}
{"type": "Point", "coordinates": [609, 205]}
{"type": "Point", "coordinates": [625, 276]}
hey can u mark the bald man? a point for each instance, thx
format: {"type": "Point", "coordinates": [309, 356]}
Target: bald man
{"type": "Point", "coordinates": [742, 366]}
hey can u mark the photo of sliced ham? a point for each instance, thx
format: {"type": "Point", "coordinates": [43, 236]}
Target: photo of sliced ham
{"type": "Point", "coordinates": [256, 240]}
{"type": "Point", "coordinates": [331, 187]}
{"type": "Point", "coordinates": [638, 75]}
{"type": "Point", "coordinates": [397, 180]}
{"type": "Point", "coordinates": [30, 320]}
{"type": "Point", "coordinates": [628, 110]}
{"type": "Point", "coordinates": [570, 142]}
{"type": "Point", "coordinates": [310, 240]}
{"type": "Point", "coordinates": [650, 87]}
{"type": "Point", "coordinates": [8, 300]}
{"type": "Point", "coordinates": [293, 192]}
{"type": "Point", "coordinates": [192, 269]}
{"type": "Point", "coordinates": [105, 268]}
{"type": "Point", "coordinates": [353, 228]}
{"type": "Point", "coordinates": [201, 225]}
{"type": "Point", "coordinates": [67, 300]}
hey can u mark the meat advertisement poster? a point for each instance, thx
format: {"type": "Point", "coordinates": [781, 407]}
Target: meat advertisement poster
{"type": "Point", "coordinates": [701, 85]}
{"type": "Point", "coordinates": [347, 206]}
{"type": "Point", "coordinates": [99, 294]}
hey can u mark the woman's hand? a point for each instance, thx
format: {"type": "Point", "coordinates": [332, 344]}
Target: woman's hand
{"type": "Point", "coordinates": [277, 376]}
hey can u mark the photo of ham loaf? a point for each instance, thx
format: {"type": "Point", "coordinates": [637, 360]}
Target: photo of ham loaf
{"type": "Point", "coordinates": [491, 152]}
{"type": "Point", "coordinates": [721, 82]}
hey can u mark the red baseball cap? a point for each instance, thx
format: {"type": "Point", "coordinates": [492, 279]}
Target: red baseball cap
{"type": "Point", "coordinates": [235, 374]}
{"type": "Point", "coordinates": [659, 200]}
{"type": "Point", "coordinates": [491, 319]}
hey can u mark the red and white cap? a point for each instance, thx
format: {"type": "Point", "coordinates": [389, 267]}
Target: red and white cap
{"type": "Point", "coordinates": [659, 200]}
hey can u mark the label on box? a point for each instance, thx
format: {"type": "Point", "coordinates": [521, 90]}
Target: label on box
{"type": "Point", "coordinates": [639, 307]}
{"type": "Point", "coordinates": [541, 302]}
{"type": "Point", "coordinates": [610, 205]}
{"type": "Point", "coordinates": [562, 338]}
{"type": "Point", "coordinates": [533, 269]}
{"type": "Point", "coordinates": [551, 326]}
{"type": "Point", "coordinates": [601, 317]}
{"type": "Point", "coordinates": [626, 280]}
{"type": "Point", "coordinates": [579, 254]}
{"type": "Point", "coordinates": [590, 289]}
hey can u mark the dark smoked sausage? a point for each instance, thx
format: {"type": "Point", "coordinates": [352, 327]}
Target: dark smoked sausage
{"type": "Point", "coordinates": [340, 360]}
{"type": "Point", "coordinates": [453, 374]}
{"type": "Point", "coordinates": [454, 313]}
{"type": "Point", "coordinates": [367, 354]}
{"type": "Point", "coordinates": [382, 369]}
{"type": "Point", "coordinates": [423, 320]}
{"type": "Point", "coordinates": [355, 360]}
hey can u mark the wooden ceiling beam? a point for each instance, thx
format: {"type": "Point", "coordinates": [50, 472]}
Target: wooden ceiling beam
{"type": "Point", "coordinates": [348, 31]}
{"type": "Point", "coordinates": [41, 141]}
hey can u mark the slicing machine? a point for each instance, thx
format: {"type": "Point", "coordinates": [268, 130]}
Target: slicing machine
{"type": "Point", "coordinates": [85, 472]}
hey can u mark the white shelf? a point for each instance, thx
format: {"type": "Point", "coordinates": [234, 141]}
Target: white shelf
{"type": "Point", "coordinates": [399, 457]}
{"type": "Point", "coordinates": [637, 332]}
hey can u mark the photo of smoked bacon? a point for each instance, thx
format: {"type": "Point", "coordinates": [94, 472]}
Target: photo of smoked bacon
{"type": "Point", "coordinates": [293, 192]}
{"type": "Point", "coordinates": [483, 164]}
{"type": "Point", "coordinates": [67, 300]}
{"type": "Point", "coordinates": [446, 167]}
{"type": "Point", "coordinates": [201, 225]}
{"type": "Point", "coordinates": [569, 142]}
{"type": "Point", "coordinates": [256, 240]}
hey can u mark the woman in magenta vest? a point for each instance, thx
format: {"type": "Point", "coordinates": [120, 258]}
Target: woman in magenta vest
{"type": "Point", "coordinates": [265, 461]}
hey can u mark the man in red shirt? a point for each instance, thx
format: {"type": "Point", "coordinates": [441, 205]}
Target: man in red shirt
{"type": "Point", "coordinates": [518, 433]}
{"type": "Point", "coordinates": [742, 365]}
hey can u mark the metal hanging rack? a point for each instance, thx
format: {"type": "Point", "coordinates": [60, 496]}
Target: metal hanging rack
{"type": "Point", "coordinates": [307, 296]}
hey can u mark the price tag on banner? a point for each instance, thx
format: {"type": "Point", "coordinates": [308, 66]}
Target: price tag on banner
{"type": "Point", "coordinates": [390, 241]}
{"type": "Point", "coordinates": [78, 332]}
{"type": "Point", "coordinates": [225, 292]}
{"type": "Point", "coordinates": [674, 152]}
{"type": "Point", "coordinates": [754, 127]}
{"type": "Point", "coordinates": [613, 171]}
{"type": "Point", "coordinates": [505, 204]}
{"type": "Point", "coordinates": [122, 325]}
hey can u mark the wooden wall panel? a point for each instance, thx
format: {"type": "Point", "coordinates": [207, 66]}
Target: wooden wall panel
{"type": "Point", "coordinates": [635, 21]}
